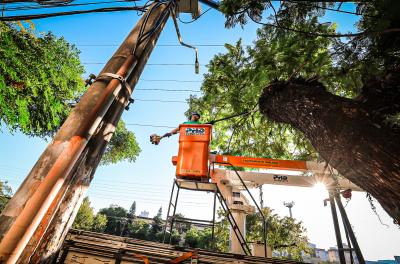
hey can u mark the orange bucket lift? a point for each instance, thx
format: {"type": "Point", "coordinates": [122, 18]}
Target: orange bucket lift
{"type": "Point", "coordinates": [193, 154]}
{"type": "Point", "coordinates": [195, 171]}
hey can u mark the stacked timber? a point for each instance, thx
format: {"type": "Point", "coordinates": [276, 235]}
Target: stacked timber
{"type": "Point", "coordinates": [94, 248]}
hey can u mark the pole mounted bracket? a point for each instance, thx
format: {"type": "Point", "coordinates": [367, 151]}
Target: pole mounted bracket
{"type": "Point", "coordinates": [123, 82]}
{"type": "Point", "coordinates": [196, 63]}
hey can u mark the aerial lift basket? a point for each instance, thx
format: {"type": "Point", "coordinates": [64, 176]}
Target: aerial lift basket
{"type": "Point", "coordinates": [194, 141]}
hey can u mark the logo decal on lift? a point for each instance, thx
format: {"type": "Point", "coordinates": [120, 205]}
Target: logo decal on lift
{"type": "Point", "coordinates": [192, 131]}
{"type": "Point", "coordinates": [280, 178]}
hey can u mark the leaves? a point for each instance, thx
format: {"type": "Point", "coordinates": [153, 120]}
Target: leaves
{"type": "Point", "coordinates": [234, 84]}
{"type": "Point", "coordinates": [122, 146]}
{"type": "Point", "coordinates": [86, 220]}
{"type": "Point", "coordinates": [39, 77]}
{"type": "Point", "coordinates": [5, 194]}
{"type": "Point", "coordinates": [40, 81]}
{"type": "Point", "coordinates": [285, 235]}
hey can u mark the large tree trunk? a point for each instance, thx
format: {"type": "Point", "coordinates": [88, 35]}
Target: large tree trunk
{"type": "Point", "coordinates": [345, 133]}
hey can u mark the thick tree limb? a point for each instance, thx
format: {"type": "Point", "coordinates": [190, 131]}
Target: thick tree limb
{"type": "Point", "coordinates": [381, 97]}
{"type": "Point", "coordinates": [343, 133]}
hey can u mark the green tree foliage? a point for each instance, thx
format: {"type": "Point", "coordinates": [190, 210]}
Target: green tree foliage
{"type": "Point", "coordinates": [237, 77]}
{"type": "Point", "coordinates": [87, 220]}
{"type": "Point", "coordinates": [192, 237]}
{"type": "Point", "coordinates": [181, 227]}
{"type": "Point", "coordinates": [122, 146]}
{"type": "Point", "coordinates": [116, 219]}
{"type": "Point", "coordinates": [120, 222]}
{"type": "Point", "coordinates": [5, 194]}
{"type": "Point", "coordinates": [84, 218]}
{"type": "Point", "coordinates": [285, 235]}
{"type": "Point", "coordinates": [196, 238]}
{"type": "Point", "coordinates": [361, 71]}
{"type": "Point", "coordinates": [222, 230]}
{"type": "Point", "coordinates": [99, 223]}
{"type": "Point", "coordinates": [40, 82]}
{"type": "Point", "coordinates": [156, 225]}
{"type": "Point", "coordinates": [39, 78]}
{"type": "Point", "coordinates": [139, 229]}
{"type": "Point", "coordinates": [235, 82]}
{"type": "Point", "coordinates": [348, 67]}
{"type": "Point", "coordinates": [132, 210]}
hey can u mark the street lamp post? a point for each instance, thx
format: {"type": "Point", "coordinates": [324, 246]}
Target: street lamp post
{"type": "Point", "coordinates": [289, 205]}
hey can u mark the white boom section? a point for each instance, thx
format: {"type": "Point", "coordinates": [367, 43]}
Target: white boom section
{"type": "Point", "coordinates": [315, 175]}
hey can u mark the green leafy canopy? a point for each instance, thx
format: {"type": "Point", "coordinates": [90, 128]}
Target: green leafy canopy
{"type": "Point", "coordinates": [237, 77]}
{"type": "Point", "coordinates": [40, 82]}
{"type": "Point", "coordinates": [39, 78]}
{"type": "Point", "coordinates": [122, 146]}
{"type": "Point", "coordinates": [5, 194]}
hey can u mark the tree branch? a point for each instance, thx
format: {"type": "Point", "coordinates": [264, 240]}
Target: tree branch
{"type": "Point", "coordinates": [316, 34]}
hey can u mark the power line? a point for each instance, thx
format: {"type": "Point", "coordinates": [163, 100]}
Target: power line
{"type": "Point", "coordinates": [151, 64]}
{"type": "Point", "coordinates": [158, 45]}
{"type": "Point", "coordinates": [101, 180]}
{"type": "Point", "coordinates": [160, 101]}
{"type": "Point", "coordinates": [167, 90]}
{"type": "Point", "coordinates": [35, 7]}
{"type": "Point", "coordinates": [150, 201]}
{"type": "Point", "coordinates": [325, 8]}
{"type": "Point", "coordinates": [328, 35]}
{"type": "Point", "coordinates": [67, 13]}
{"type": "Point", "coordinates": [138, 190]}
{"type": "Point", "coordinates": [169, 80]}
{"type": "Point", "coordinates": [143, 125]}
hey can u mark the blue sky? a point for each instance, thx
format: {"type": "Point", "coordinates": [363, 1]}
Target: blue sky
{"type": "Point", "coordinates": [148, 181]}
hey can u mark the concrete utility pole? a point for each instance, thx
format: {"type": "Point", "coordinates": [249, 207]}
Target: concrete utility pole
{"type": "Point", "coordinates": [289, 205]}
{"type": "Point", "coordinates": [37, 218]}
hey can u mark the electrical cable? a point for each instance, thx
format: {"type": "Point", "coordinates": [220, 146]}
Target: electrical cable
{"type": "Point", "coordinates": [169, 80]}
{"type": "Point", "coordinates": [167, 90]}
{"type": "Point", "coordinates": [326, 8]}
{"type": "Point", "coordinates": [67, 13]}
{"type": "Point", "coordinates": [143, 125]}
{"type": "Point", "coordinates": [27, 7]}
{"type": "Point", "coordinates": [151, 201]}
{"type": "Point", "coordinates": [246, 112]}
{"type": "Point", "coordinates": [328, 35]}
{"type": "Point", "coordinates": [158, 45]}
{"type": "Point", "coordinates": [160, 101]}
{"type": "Point", "coordinates": [143, 36]}
{"type": "Point", "coordinates": [148, 64]}
{"type": "Point", "coordinates": [193, 20]}
{"type": "Point", "coordinates": [134, 190]}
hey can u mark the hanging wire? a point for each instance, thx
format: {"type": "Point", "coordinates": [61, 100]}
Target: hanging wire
{"type": "Point", "coordinates": [167, 90]}
{"type": "Point", "coordinates": [193, 20]}
{"type": "Point", "coordinates": [169, 80]}
{"type": "Point", "coordinates": [30, 7]}
{"type": "Point", "coordinates": [68, 13]}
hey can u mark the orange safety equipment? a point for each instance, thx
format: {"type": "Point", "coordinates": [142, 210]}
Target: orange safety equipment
{"type": "Point", "coordinates": [192, 162]}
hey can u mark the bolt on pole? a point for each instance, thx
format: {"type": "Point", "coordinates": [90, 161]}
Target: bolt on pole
{"type": "Point", "coordinates": [47, 185]}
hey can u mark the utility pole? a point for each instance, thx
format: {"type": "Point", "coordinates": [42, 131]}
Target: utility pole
{"type": "Point", "coordinates": [289, 205]}
{"type": "Point", "coordinates": [261, 196]}
{"type": "Point", "coordinates": [39, 215]}
{"type": "Point", "coordinates": [342, 259]}
{"type": "Point", "coordinates": [349, 230]}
